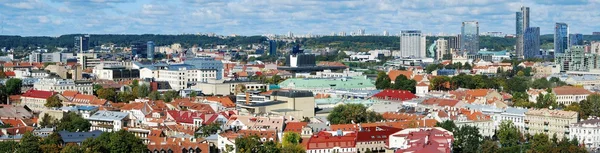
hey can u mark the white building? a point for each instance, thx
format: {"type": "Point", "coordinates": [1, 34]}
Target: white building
{"type": "Point", "coordinates": [587, 132]}
{"type": "Point", "coordinates": [483, 122]}
{"type": "Point", "coordinates": [178, 75]}
{"type": "Point", "coordinates": [108, 121]}
{"type": "Point", "coordinates": [412, 43]}
{"type": "Point", "coordinates": [331, 74]}
{"type": "Point", "coordinates": [516, 115]}
{"type": "Point", "coordinates": [441, 48]}
{"type": "Point", "coordinates": [567, 94]}
{"type": "Point", "coordinates": [60, 85]}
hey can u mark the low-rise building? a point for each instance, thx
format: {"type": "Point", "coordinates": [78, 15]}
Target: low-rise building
{"type": "Point", "coordinates": [329, 142]}
{"type": "Point", "coordinates": [434, 139]}
{"type": "Point", "coordinates": [549, 122]}
{"type": "Point", "coordinates": [587, 132]}
{"type": "Point", "coordinates": [326, 85]}
{"type": "Point", "coordinates": [567, 95]}
{"type": "Point", "coordinates": [35, 99]}
{"type": "Point", "coordinates": [60, 85]}
{"type": "Point", "coordinates": [373, 138]}
{"type": "Point", "coordinates": [108, 121]}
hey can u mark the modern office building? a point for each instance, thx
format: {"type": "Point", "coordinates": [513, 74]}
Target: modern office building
{"type": "Point", "coordinates": [150, 50]}
{"type": "Point", "coordinates": [522, 23]}
{"type": "Point", "coordinates": [50, 57]}
{"type": "Point", "coordinates": [575, 39]}
{"type": "Point", "coordinates": [469, 41]}
{"type": "Point", "coordinates": [139, 49]}
{"type": "Point", "coordinates": [412, 44]}
{"type": "Point", "coordinates": [595, 47]}
{"type": "Point", "coordinates": [561, 38]}
{"type": "Point", "coordinates": [453, 43]}
{"type": "Point", "coordinates": [82, 43]}
{"type": "Point", "coordinates": [441, 48]}
{"type": "Point", "coordinates": [272, 48]}
{"type": "Point", "coordinates": [531, 42]}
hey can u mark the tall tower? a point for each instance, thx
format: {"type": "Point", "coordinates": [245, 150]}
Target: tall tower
{"type": "Point", "coordinates": [412, 44]}
{"type": "Point", "coordinates": [82, 43]}
{"type": "Point", "coordinates": [522, 23]}
{"type": "Point", "coordinates": [531, 43]}
{"type": "Point", "coordinates": [150, 50]}
{"type": "Point", "coordinates": [441, 48]}
{"type": "Point", "coordinates": [561, 38]}
{"type": "Point", "coordinates": [469, 38]}
{"type": "Point", "coordinates": [272, 48]}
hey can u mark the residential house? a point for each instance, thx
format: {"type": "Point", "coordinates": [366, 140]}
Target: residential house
{"type": "Point", "coordinates": [35, 99]}
{"type": "Point", "coordinates": [109, 121]}
{"type": "Point", "coordinates": [332, 142]}
{"type": "Point", "coordinates": [421, 140]}
{"type": "Point", "coordinates": [549, 122]}
{"type": "Point", "coordinates": [567, 94]}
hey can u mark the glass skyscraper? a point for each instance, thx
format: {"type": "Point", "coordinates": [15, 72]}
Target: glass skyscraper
{"type": "Point", "coordinates": [82, 43]}
{"type": "Point", "coordinates": [272, 48]}
{"type": "Point", "coordinates": [561, 38]}
{"type": "Point", "coordinates": [150, 50]}
{"type": "Point", "coordinates": [522, 24]}
{"type": "Point", "coordinates": [519, 24]}
{"type": "Point", "coordinates": [469, 40]}
{"type": "Point", "coordinates": [531, 41]}
{"type": "Point", "coordinates": [575, 39]}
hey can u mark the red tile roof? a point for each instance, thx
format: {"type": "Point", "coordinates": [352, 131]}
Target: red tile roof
{"type": "Point", "coordinates": [379, 133]}
{"type": "Point", "coordinates": [224, 100]}
{"type": "Point", "coordinates": [9, 73]}
{"type": "Point", "coordinates": [38, 94]}
{"type": "Point", "coordinates": [570, 90]}
{"type": "Point", "coordinates": [325, 140]}
{"type": "Point", "coordinates": [295, 127]}
{"type": "Point", "coordinates": [395, 73]}
{"type": "Point", "coordinates": [399, 95]}
{"type": "Point", "coordinates": [14, 122]}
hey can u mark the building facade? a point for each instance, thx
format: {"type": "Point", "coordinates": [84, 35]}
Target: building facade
{"type": "Point", "coordinates": [575, 59]}
{"type": "Point", "coordinates": [549, 122]}
{"type": "Point", "coordinates": [531, 42]}
{"type": "Point", "coordinates": [108, 121]}
{"type": "Point", "coordinates": [441, 48]}
{"type": "Point", "coordinates": [150, 50]}
{"type": "Point", "coordinates": [412, 44]}
{"type": "Point", "coordinates": [561, 38]}
{"type": "Point", "coordinates": [82, 43]}
{"type": "Point", "coordinates": [586, 131]}
{"type": "Point", "coordinates": [469, 42]}
{"type": "Point", "coordinates": [575, 39]}
{"type": "Point", "coordinates": [60, 85]}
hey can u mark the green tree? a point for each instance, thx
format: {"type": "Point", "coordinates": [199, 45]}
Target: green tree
{"type": "Point", "coordinates": [540, 144]}
{"type": "Point", "coordinates": [170, 95]}
{"type": "Point", "coordinates": [403, 83]}
{"type": "Point", "coordinates": [467, 66]}
{"type": "Point", "coordinates": [348, 113]}
{"type": "Point", "coordinates": [209, 129]}
{"type": "Point", "coordinates": [382, 81]}
{"type": "Point", "coordinates": [143, 91]}
{"type": "Point", "coordinates": [508, 134]}
{"type": "Point", "coordinates": [8, 146]}
{"type": "Point", "coordinates": [72, 148]}
{"type": "Point", "coordinates": [115, 142]}
{"type": "Point", "coordinates": [541, 83]}
{"type": "Point", "coordinates": [13, 86]}
{"type": "Point", "coordinates": [517, 84]}
{"type": "Point", "coordinates": [51, 144]}
{"type": "Point", "coordinates": [48, 121]}
{"type": "Point", "coordinates": [29, 143]}
{"type": "Point", "coordinates": [248, 144]}
{"type": "Point", "coordinates": [440, 83]}
{"type": "Point", "coordinates": [291, 138]}
{"type": "Point", "coordinates": [467, 139]}
{"type": "Point", "coordinates": [293, 149]}
{"type": "Point", "coordinates": [96, 88]}
{"type": "Point", "coordinates": [73, 122]}
{"type": "Point", "coordinates": [489, 146]}
{"type": "Point", "coordinates": [193, 94]}
{"type": "Point", "coordinates": [107, 94]}
{"type": "Point", "coordinates": [270, 147]}
{"type": "Point", "coordinates": [125, 97]}
{"type": "Point", "coordinates": [53, 101]}
{"type": "Point", "coordinates": [154, 95]}
{"type": "Point", "coordinates": [447, 124]}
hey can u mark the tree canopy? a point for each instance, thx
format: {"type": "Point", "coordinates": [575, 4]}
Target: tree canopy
{"type": "Point", "coordinates": [13, 86]}
{"type": "Point", "coordinates": [73, 123]}
{"type": "Point", "coordinates": [348, 113]}
{"type": "Point", "coordinates": [53, 101]}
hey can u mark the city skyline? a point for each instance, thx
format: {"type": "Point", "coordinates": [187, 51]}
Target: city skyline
{"type": "Point", "coordinates": [57, 17]}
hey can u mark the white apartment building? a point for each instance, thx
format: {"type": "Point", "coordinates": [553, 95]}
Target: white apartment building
{"type": "Point", "coordinates": [441, 48]}
{"type": "Point", "coordinates": [567, 94]}
{"type": "Point", "coordinates": [549, 122]}
{"type": "Point", "coordinates": [587, 131]}
{"type": "Point", "coordinates": [331, 74]}
{"type": "Point", "coordinates": [483, 122]}
{"type": "Point", "coordinates": [178, 75]}
{"type": "Point", "coordinates": [60, 85]}
{"type": "Point", "coordinates": [412, 43]}
{"type": "Point", "coordinates": [516, 115]}
{"type": "Point", "coordinates": [108, 121]}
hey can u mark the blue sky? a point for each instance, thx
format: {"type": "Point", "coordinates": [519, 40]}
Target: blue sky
{"type": "Point", "coordinates": [257, 17]}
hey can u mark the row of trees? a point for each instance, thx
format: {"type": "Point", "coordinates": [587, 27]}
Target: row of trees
{"type": "Point", "coordinates": [507, 139]}
{"type": "Point", "coordinates": [137, 91]}
{"type": "Point", "coordinates": [400, 83]}
{"type": "Point", "coordinates": [252, 144]}
{"type": "Point", "coordinates": [121, 141]}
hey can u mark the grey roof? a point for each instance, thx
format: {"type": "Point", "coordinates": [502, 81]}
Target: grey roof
{"type": "Point", "coordinates": [108, 116]}
{"type": "Point", "coordinates": [78, 137]}
{"type": "Point", "coordinates": [319, 126]}
{"type": "Point", "coordinates": [513, 110]}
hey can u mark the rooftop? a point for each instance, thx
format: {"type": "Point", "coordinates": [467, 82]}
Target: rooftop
{"type": "Point", "coordinates": [108, 115]}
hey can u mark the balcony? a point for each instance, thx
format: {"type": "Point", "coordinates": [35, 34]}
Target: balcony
{"type": "Point", "coordinates": [546, 122]}
{"type": "Point", "coordinates": [526, 121]}
{"type": "Point", "coordinates": [545, 129]}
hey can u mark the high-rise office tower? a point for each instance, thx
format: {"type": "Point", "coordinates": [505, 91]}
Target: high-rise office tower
{"type": "Point", "coordinates": [561, 38]}
{"type": "Point", "coordinates": [412, 44]}
{"type": "Point", "coordinates": [82, 43]}
{"type": "Point", "coordinates": [441, 48]}
{"type": "Point", "coordinates": [453, 44]}
{"type": "Point", "coordinates": [469, 41]}
{"type": "Point", "coordinates": [531, 41]}
{"type": "Point", "coordinates": [272, 48]}
{"type": "Point", "coordinates": [150, 50]}
{"type": "Point", "coordinates": [139, 49]}
{"type": "Point", "coordinates": [522, 23]}
{"type": "Point", "coordinates": [575, 39]}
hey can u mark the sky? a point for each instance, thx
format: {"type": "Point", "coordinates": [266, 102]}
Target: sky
{"type": "Point", "coordinates": [258, 17]}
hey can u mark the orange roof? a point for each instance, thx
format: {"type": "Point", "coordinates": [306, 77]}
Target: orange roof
{"type": "Point", "coordinates": [295, 126]}
{"type": "Point", "coordinates": [395, 73]}
{"type": "Point", "coordinates": [418, 78]}
{"type": "Point", "coordinates": [400, 116]}
{"type": "Point", "coordinates": [13, 122]}
{"type": "Point", "coordinates": [70, 93]}
{"type": "Point", "coordinates": [422, 84]}
{"type": "Point", "coordinates": [321, 96]}
{"type": "Point", "coordinates": [570, 90]}
{"type": "Point", "coordinates": [224, 100]}
{"type": "Point", "coordinates": [477, 92]}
